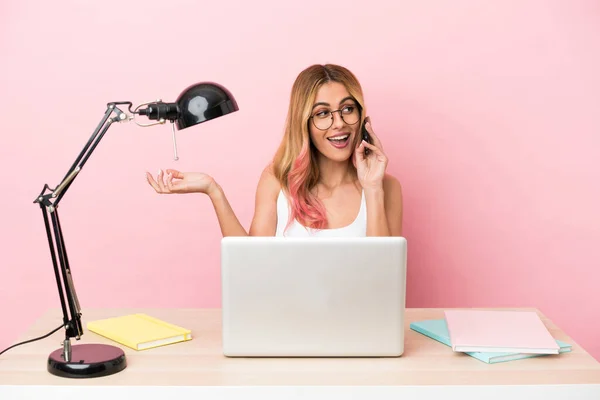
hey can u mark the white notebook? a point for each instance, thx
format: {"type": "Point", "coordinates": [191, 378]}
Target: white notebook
{"type": "Point", "coordinates": [499, 331]}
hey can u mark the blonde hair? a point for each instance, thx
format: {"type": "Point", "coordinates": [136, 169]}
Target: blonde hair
{"type": "Point", "coordinates": [295, 162]}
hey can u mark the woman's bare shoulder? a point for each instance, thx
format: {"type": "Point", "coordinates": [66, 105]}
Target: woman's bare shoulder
{"type": "Point", "coordinates": [392, 187]}
{"type": "Point", "coordinates": [268, 183]}
{"type": "Point", "coordinates": [390, 182]}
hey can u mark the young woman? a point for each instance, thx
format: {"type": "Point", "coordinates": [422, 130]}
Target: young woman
{"type": "Point", "coordinates": [322, 181]}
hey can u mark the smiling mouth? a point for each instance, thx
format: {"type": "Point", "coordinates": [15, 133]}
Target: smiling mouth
{"type": "Point", "coordinates": [340, 141]}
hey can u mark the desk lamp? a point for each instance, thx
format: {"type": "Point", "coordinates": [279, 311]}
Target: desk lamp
{"type": "Point", "coordinates": [196, 104]}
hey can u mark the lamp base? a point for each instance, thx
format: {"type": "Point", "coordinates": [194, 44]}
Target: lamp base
{"type": "Point", "coordinates": [87, 361]}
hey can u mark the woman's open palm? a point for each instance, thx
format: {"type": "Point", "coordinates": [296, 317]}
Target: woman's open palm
{"type": "Point", "coordinates": [181, 182]}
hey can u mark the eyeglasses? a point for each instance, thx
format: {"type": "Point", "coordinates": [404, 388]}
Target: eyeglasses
{"type": "Point", "coordinates": [324, 119]}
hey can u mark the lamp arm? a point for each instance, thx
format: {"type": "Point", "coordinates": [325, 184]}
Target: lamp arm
{"type": "Point", "coordinates": [90, 146]}
{"type": "Point", "coordinates": [48, 200]}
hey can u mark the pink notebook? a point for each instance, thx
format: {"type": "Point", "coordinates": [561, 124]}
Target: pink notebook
{"type": "Point", "coordinates": [499, 331]}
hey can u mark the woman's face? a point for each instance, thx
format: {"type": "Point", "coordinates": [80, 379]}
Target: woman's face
{"type": "Point", "coordinates": [334, 133]}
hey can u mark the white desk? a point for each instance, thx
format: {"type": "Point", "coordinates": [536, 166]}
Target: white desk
{"type": "Point", "coordinates": [198, 369]}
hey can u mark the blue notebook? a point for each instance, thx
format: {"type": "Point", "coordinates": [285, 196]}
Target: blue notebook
{"type": "Point", "coordinates": [437, 330]}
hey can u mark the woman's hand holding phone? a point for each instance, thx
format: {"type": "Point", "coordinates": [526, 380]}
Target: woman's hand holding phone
{"type": "Point", "coordinates": [369, 159]}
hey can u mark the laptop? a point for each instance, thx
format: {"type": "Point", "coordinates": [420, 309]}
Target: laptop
{"type": "Point", "coordinates": [313, 297]}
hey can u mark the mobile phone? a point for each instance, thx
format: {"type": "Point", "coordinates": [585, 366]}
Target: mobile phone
{"type": "Point", "coordinates": [366, 137]}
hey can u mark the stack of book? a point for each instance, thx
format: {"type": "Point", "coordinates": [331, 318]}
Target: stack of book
{"type": "Point", "coordinates": [492, 336]}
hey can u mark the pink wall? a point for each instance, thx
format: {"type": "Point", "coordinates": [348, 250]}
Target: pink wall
{"type": "Point", "coordinates": [487, 110]}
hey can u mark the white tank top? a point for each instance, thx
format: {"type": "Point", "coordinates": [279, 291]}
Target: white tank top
{"type": "Point", "coordinates": [357, 228]}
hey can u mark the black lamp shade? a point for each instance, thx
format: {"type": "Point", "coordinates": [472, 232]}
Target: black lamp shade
{"type": "Point", "coordinates": [202, 102]}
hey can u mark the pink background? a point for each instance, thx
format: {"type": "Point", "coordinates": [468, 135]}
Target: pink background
{"type": "Point", "coordinates": [488, 112]}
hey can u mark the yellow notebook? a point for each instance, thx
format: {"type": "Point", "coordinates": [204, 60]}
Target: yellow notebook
{"type": "Point", "coordinates": [139, 331]}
